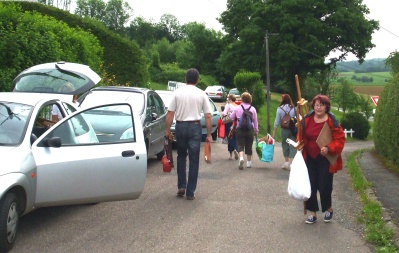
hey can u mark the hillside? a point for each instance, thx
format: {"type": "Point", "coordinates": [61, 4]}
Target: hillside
{"type": "Point", "coordinates": [373, 65]}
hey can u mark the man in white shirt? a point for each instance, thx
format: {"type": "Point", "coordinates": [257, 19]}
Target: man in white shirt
{"type": "Point", "coordinates": [186, 106]}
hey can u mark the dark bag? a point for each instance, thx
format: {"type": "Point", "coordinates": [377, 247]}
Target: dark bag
{"type": "Point", "coordinates": [293, 129]}
{"type": "Point", "coordinates": [245, 122]}
{"type": "Point", "coordinates": [167, 158]}
{"type": "Point", "coordinates": [286, 119]}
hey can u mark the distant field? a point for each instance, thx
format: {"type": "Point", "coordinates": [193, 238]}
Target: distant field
{"type": "Point", "coordinates": [374, 86]}
{"type": "Point", "coordinates": [378, 78]}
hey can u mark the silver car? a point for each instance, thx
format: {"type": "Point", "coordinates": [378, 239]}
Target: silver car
{"type": "Point", "coordinates": [167, 96]}
{"type": "Point", "coordinates": [47, 163]}
{"type": "Point", "coordinates": [216, 92]}
{"type": "Point", "coordinates": [146, 102]}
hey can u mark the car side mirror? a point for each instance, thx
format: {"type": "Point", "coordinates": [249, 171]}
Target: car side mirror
{"type": "Point", "coordinates": [54, 142]}
{"type": "Point", "coordinates": [33, 138]}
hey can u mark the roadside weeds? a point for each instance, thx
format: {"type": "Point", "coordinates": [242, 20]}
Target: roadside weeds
{"type": "Point", "coordinates": [380, 231]}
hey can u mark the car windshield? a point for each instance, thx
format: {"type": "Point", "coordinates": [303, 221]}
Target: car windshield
{"type": "Point", "coordinates": [13, 121]}
{"type": "Point", "coordinates": [50, 81]}
{"type": "Point", "coordinates": [107, 97]}
{"type": "Point", "coordinates": [235, 92]}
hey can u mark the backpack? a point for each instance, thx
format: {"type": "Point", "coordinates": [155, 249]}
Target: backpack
{"type": "Point", "coordinates": [245, 122]}
{"type": "Point", "coordinates": [286, 119]}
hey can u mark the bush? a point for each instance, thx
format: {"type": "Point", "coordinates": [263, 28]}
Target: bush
{"type": "Point", "coordinates": [358, 123]}
{"type": "Point", "coordinates": [386, 122]}
{"type": "Point", "coordinates": [252, 82]}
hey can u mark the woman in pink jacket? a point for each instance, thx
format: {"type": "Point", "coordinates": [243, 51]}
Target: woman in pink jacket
{"type": "Point", "coordinates": [245, 137]}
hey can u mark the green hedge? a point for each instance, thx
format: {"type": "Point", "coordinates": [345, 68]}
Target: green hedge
{"type": "Point", "coordinates": [386, 122]}
{"type": "Point", "coordinates": [29, 39]}
{"type": "Point", "coordinates": [122, 58]}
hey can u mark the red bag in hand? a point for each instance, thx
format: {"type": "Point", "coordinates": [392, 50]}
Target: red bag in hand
{"type": "Point", "coordinates": [221, 129]}
{"type": "Point", "coordinates": [167, 167]}
{"type": "Point", "coordinates": [167, 158]}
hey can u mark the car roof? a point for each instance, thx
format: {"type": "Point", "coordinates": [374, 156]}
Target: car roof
{"type": "Point", "coordinates": [122, 88]}
{"type": "Point", "coordinates": [164, 91]}
{"type": "Point", "coordinates": [28, 98]}
{"type": "Point", "coordinates": [214, 87]}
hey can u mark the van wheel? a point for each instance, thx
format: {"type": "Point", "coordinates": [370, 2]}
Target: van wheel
{"type": "Point", "coordinates": [8, 221]}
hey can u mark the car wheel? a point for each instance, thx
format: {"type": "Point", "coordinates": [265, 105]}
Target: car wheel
{"type": "Point", "coordinates": [8, 221]}
{"type": "Point", "coordinates": [160, 155]}
{"type": "Point", "coordinates": [215, 135]}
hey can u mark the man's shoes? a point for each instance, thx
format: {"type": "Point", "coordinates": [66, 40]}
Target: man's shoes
{"type": "Point", "coordinates": [249, 164]}
{"type": "Point", "coordinates": [241, 165]}
{"type": "Point", "coordinates": [235, 154]}
{"type": "Point", "coordinates": [181, 192]}
{"type": "Point", "coordinates": [191, 197]}
{"type": "Point", "coordinates": [328, 216]}
{"type": "Point", "coordinates": [311, 219]}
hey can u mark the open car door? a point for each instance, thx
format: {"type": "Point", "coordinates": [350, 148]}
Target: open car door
{"type": "Point", "coordinates": [94, 155]}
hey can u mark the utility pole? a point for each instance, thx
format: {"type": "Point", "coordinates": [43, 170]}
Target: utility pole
{"type": "Point", "coordinates": [268, 80]}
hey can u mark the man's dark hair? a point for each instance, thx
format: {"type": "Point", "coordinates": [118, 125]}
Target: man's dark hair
{"type": "Point", "coordinates": [192, 76]}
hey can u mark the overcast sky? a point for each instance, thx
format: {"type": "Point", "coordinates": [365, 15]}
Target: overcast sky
{"type": "Point", "coordinates": [206, 11]}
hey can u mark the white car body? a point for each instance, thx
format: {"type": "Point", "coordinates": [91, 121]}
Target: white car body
{"type": "Point", "coordinates": [69, 161]}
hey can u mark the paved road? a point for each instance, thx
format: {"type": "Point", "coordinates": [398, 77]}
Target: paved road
{"type": "Point", "coordinates": [235, 211]}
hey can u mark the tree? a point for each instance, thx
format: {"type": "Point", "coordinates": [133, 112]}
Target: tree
{"type": "Point", "coordinates": [117, 14]}
{"type": "Point", "coordinates": [345, 96]}
{"type": "Point", "coordinates": [165, 50]}
{"type": "Point", "coordinates": [205, 45]}
{"type": "Point", "coordinates": [143, 32]}
{"type": "Point", "coordinates": [393, 62]}
{"type": "Point", "coordinates": [170, 26]}
{"type": "Point", "coordinates": [308, 31]}
{"type": "Point", "coordinates": [91, 8]}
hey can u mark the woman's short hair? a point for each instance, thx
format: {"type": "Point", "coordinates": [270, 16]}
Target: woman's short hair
{"type": "Point", "coordinates": [246, 98]}
{"type": "Point", "coordinates": [232, 97]}
{"type": "Point", "coordinates": [323, 99]}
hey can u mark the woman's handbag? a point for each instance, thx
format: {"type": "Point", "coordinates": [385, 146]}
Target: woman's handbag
{"type": "Point", "coordinates": [226, 119]}
{"type": "Point", "coordinates": [265, 148]}
{"type": "Point", "coordinates": [298, 182]}
{"type": "Point", "coordinates": [233, 128]}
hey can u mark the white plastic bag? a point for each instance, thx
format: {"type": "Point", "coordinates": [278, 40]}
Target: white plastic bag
{"type": "Point", "coordinates": [299, 183]}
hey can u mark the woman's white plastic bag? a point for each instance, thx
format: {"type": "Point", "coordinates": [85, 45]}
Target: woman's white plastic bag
{"type": "Point", "coordinates": [299, 183]}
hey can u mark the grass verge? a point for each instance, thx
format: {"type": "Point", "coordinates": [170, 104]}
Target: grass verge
{"type": "Point", "coordinates": [377, 232]}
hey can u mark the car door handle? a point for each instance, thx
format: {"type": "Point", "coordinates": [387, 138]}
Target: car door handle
{"type": "Point", "coordinates": [128, 153]}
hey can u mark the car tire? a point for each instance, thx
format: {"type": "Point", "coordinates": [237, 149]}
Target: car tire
{"type": "Point", "coordinates": [8, 221]}
{"type": "Point", "coordinates": [160, 155]}
{"type": "Point", "coordinates": [215, 135]}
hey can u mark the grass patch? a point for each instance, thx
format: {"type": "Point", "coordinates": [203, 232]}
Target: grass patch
{"type": "Point", "coordinates": [377, 232]}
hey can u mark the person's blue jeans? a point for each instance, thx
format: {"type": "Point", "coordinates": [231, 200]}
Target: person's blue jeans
{"type": "Point", "coordinates": [188, 142]}
{"type": "Point", "coordinates": [232, 143]}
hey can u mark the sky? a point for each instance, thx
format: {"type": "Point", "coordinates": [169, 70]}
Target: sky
{"type": "Point", "coordinates": [206, 11]}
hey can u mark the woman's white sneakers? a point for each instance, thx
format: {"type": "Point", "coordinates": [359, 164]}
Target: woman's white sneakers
{"type": "Point", "coordinates": [286, 166]}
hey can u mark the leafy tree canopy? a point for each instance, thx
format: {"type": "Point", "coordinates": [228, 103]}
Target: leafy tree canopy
{"type": "Point", "coordinates": [306, 31]}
